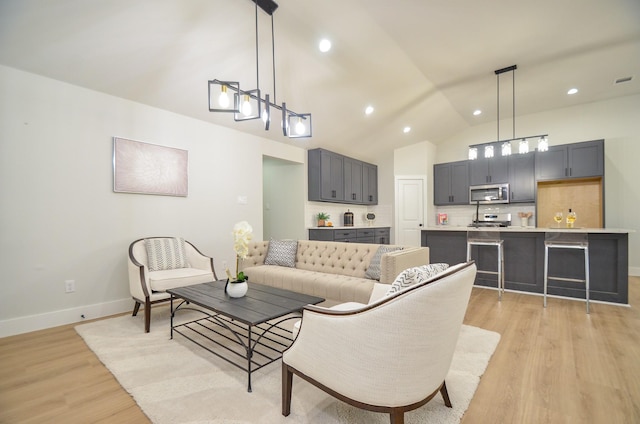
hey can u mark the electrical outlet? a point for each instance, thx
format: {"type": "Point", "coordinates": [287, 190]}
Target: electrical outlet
{"type": "Point", "coordinates": [69, 286]}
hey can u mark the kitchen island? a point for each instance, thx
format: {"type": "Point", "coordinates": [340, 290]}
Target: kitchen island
{"type": "Point", "coordinates": [524, 260]}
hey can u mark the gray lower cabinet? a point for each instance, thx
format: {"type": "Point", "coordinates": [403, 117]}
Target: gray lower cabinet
{"type": "Point", "coordinates": [524, 263]}
{"type": "Point", "coordinates": [575, 160]}
{"type": "Point", "coordinates": [377, 235]}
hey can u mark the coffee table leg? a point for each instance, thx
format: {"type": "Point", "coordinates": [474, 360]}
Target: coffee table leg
{"type": "Point", "coordinates": [249, 355]}
{"type": "Point", "coordinates": [171, 317]}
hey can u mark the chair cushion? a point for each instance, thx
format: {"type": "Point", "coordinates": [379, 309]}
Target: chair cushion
{"type": "Point", "coordinates": [373, 271]}
{"type": "Point", "coordinates": [166, 253]}
{"type": "Point", "coordinates": [282, 253]}
{"type": "Point", "coordinates": [415, 275]}
{"type": "Point", "coordinates": [180, 277]}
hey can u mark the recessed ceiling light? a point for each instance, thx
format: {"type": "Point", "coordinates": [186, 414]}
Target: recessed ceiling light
{"type": "Point", "coordinates": [406, 129]}
{"type": "Point", "coordinates": [477, 112]}
{"type": "Point", "coordinates": [572, 91]}
{"type": "Point", "coordinates": [368, 110]}
{"type": "Point", "coordinates": [325, 45]}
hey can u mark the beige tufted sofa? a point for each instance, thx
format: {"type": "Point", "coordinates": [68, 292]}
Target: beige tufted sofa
{"type": "Point", "coordinates": [332, 270]}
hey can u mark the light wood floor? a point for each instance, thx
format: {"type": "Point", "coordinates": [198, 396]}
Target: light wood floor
{"type": "Point", "coordinates": [557, 365]}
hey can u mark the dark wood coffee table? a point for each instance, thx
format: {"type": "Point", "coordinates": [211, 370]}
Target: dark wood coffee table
{"type": "Point", "coordinates": [246, 331]}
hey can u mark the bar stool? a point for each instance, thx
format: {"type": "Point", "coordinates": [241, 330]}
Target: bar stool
{"type": "Point", "coordinates": [488, 238]}
{"type": "Point", "coordinates": [564, 240]}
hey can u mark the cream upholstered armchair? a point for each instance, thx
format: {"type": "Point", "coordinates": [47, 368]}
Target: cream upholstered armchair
{"type": "Point", "coordinates": [157, 264]}
{"type": "Point", "coordinates": [389, 356]}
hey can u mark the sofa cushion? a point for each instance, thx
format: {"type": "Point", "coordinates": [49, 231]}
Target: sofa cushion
{"type": "Point", "coordinates": [415, 275]}
{"type": "Point", "coordinates": [329, 286]}
{"type": "Point", "coordinates": [282, 253]}
{"type": "Point", "coordinates": [160, 281]}
{"type": "Point", "coordinates": [373, 271]}
{"type": "Point", "coordinates": [166, 253]}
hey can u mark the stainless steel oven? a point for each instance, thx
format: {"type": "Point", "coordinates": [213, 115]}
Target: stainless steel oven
{"type": "Point", "coordinates": [489, 194]}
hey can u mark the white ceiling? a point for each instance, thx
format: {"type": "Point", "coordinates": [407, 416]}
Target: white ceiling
{"type": "Point", "coordinates": [427, 64]}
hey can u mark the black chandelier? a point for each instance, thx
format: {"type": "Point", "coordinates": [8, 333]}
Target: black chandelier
{"type": "Point", "coordinates": [504, 146]}
{"type": "Point", "coordinates": [227, 96]}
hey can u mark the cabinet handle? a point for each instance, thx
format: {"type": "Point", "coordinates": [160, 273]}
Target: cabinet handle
{"type": "Point", "coordinates": [353, 196]}
{"type": "Point", "coordinates": [333, 193]}
{"type": "Point", "coordinates": [570, 172]}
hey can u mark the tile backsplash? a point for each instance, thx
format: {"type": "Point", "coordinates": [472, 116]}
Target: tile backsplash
{"type": "Point", "coordinates": [384, 214]}
{"type": "Point", "coordinates": [463, 215]}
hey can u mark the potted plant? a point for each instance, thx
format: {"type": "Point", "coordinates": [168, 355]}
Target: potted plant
{"type": "Point", "coordinates": [322, 219]}
{"type": "Point", "coordinates": [237, 284]}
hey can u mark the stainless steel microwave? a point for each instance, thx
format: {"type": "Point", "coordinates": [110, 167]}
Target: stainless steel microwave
{"type": "Point", "coordinates": [489, 193]}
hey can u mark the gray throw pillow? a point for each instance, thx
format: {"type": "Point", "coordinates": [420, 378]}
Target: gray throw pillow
{"type": "Point", "coordinates": [373, 271]}
{"type": "Point", "coordinates": [166, 253]}
{"type": "Point", "coordinates": [415, 275]}
{"type": "Point", "coordinates": [282, 253]}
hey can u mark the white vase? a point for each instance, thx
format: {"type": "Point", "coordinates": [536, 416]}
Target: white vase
{"type": "Point", "coordinates": [236, 289]}
{"type": "Point", "coordinates": [524, 221]}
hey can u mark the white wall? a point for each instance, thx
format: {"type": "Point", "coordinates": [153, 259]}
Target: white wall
{"type": "Point", "coordinates": [616, 121]}
{"type": "Point", "coordinates": [61, 220]}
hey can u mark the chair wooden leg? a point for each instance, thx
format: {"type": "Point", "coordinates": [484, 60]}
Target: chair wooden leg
{"type": "Point", "coordinates": [396, 416]}
{"type": "Point", "coordinates": [136, 308]}
{"type": "Point", "coordinates": [445, 394]}
{"type": "Point", "coordinates": [147, 315]}
{"type": "Point", "coordinates": [287, 385]}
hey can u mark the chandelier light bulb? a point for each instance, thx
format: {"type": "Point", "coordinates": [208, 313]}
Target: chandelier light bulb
{"type": "Point", "coordinates": [246, 106]}
{"type": "Point", "coordinates": [300, 127]}
{"type": "Point", "coordinates": [223, 99]}
{"type": "Point", "coordinates": [523, 146]}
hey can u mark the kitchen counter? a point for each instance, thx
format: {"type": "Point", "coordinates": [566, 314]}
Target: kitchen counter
{"type": "Point", "coordinates": [532, 229]}
{"type": "Point", "coordinates": [524, 259]}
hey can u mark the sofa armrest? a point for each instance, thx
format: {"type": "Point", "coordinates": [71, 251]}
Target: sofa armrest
{"type": "Point", "coordinates": [393, 263]}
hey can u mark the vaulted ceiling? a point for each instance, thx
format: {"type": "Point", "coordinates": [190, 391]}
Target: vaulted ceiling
{"type": "Point", "coordinates": [427, 64]}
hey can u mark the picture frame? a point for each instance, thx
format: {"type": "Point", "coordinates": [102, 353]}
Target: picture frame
{"type": "Point", "coordinates": [144, 168]}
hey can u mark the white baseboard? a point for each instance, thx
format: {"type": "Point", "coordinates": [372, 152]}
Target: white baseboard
{"type": "Point", "coordinates": [30, 323]}
{"type": "Point", "coordinates": [634, 271]}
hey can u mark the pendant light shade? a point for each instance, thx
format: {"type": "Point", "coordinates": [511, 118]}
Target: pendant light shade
{"type": "Point", "coordinates": [248, 105]}
{"type": "Point", "coordinates": [223, 96]}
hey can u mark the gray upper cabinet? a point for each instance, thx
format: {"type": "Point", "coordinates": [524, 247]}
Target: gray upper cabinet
{"type": "Point", "coordinates": [488, 170]}
{"type": "Point", "coordinates": [451, 183]}
{"type": "Point", "coordinates": [576, 160]}
{"type": "Point", "coordinates": [522, 178]}
{"type": "Point", "coordinates": [369, 184]}
{"type": "Point", "coordinates": [352, 180]}
{"type": "Point", "coordinates": [339, 179]}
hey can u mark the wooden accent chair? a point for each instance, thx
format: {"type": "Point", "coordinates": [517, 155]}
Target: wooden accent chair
{"type": "Point", "coordinates": [148, 285]}
{"type": "Point", "coordinates": [389, 356]}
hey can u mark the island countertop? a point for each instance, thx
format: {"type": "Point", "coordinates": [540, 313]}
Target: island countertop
{"type": "Point", "coordinates": [518, 229]}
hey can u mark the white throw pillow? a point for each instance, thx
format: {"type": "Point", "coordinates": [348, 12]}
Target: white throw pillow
{"type": "Point", "coordinates": [282, 253]}
{"type": "Point", "coordinates": [415, 275]}
{"type": "Point", "coordinates": [166, 253]}
{"type": "Point", "coordinates": [374, 269]}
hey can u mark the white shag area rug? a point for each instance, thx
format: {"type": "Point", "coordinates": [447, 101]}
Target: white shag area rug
{"type": "Point", "coordinates": [177, 381]}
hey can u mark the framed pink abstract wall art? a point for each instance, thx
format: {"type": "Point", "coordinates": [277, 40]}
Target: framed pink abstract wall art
{"type": "Point", "coordinates": [145, 168]}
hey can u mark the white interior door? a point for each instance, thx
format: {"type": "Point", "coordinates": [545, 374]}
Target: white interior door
{"type": "Point", "coordinates": [409, 210]}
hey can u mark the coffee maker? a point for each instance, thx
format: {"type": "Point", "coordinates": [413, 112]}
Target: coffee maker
{"type": "Point", "coordinates": [348, 218]}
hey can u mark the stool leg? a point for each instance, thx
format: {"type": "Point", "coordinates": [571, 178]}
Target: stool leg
{"type": "Point", "coordinates": [546, 272]}
{"type": "Point", "coordinates": [500, 273]}
{"type": "Point", "coordinates": [586, 275]}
